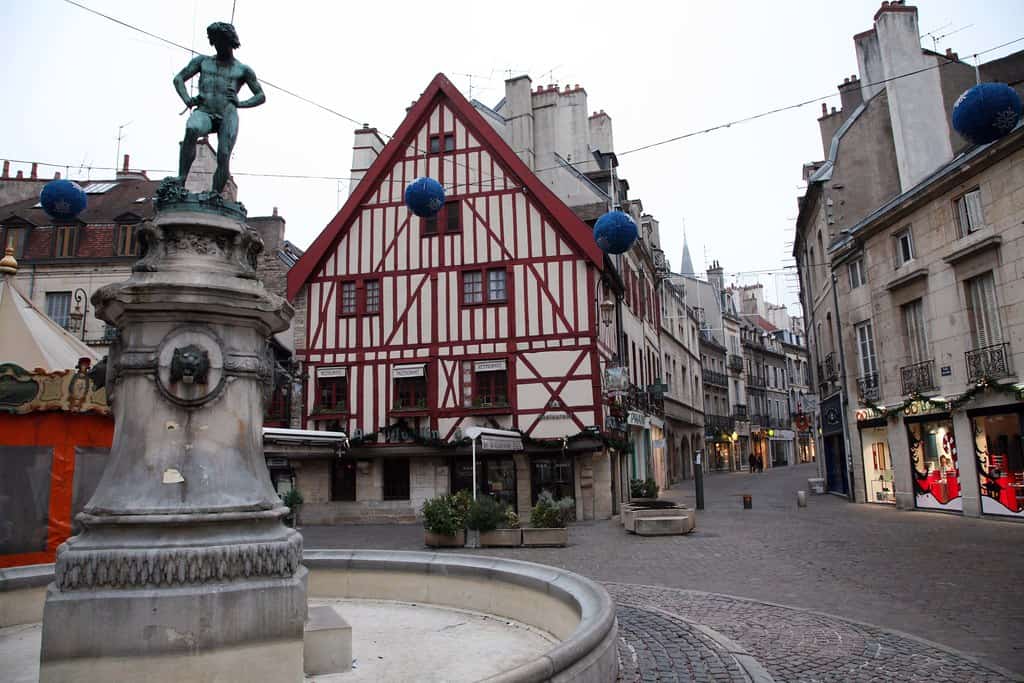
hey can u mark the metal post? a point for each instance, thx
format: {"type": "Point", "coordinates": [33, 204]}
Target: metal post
{"type": "Point", "coordinates": [843, 402]}
{"type": "Point", "coordinates": [474, 469]}
{"type": "Point", "coordinates": [82, 299]}
{"type": "Point", "coordinates": [698, 478]}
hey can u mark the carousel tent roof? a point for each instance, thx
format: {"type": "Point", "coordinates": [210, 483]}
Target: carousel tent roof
{"type": "Point", "coordinates": [30, 338]}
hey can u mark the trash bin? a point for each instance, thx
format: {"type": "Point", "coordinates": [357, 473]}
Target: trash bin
{"type": "Point", "coordinates": [748, 502]}
{"type": "Point", "coordinates": [816, 485]}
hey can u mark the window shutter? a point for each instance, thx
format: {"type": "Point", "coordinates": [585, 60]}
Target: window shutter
{"type": "Point", "coordinates": [989, 310]}
{"type": "Point", "coordinates": [972, 202]}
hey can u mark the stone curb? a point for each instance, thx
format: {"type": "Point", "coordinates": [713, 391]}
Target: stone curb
{"type": "Point", "coordinates": [995, 668]}
{"type": "Point", "coordinates": [746, 661]}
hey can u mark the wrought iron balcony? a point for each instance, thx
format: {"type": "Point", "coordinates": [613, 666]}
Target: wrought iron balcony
{"type": "Point", "coordinates": [868, 387]}
{"type": "Point", "coordinates": [739, 412]}
{"type": "Point", "coordinates": [755, 380]}
{"type": "Point", "coordinates": [918, 378]}
{"type": "Point", "coordinates": [780, 422]}
{"type": "Point", "coordinates": [989, 362]}
{"type": "Point", "coordinates": [716, 378]}
{"type": "Point", "coordinates": [830, 369]}
{"type": "Point", "coordinates": [758, 420]}
{"type": "Point", "coordinates": [735, 362]}
{"type": "Point", "coordinates": [714, 424]}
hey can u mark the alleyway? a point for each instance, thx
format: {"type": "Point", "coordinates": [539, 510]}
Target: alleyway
{"type": "Point", "coordinates": [867, 563]}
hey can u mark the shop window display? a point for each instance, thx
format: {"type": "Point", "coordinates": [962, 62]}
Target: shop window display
{"type": "Point", "coordinates": [997, 448]}
{"type": "Point", "coordinates": [933, 458]}
{"type": "Point", "coordinates": [877, 466]}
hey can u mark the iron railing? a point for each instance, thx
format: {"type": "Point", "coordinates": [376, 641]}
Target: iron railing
{"type": "Point", "coordinates": [755, 380]}
{"type": "Point", "coordinates": [868, 387]}
{"type": "Point", "coordinates": [714, 424]}
{"type": "Point", "coordinates": [739, 412]}
{"type": "Point", "coordinates": [830, 370]}
{"type": "Point", "coordinates": [988, 362]}
{"type": "Point", "coordinates": [735, 362]}
{"type": "Point", "coordinates": [918, 377]}
{"type": "Point", "coordinates": [715, 377]}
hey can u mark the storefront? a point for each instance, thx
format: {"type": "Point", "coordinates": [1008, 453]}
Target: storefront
{"type": "Point", "coordinates": [836, 472]}
{"type": "Point", "coordinates": [1000, 463]}
{"type": "Point", "coordinates": [935, 469]}
{"type": "Point", "coordinates": [780, 441]}
{"type": "Point", "coordinates": [876, 456]}
{"type": "Point", "coordinates": [495, 476]}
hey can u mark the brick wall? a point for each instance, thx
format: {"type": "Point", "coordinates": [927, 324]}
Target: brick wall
{"type": "Point", "coordinates": [40, 243]}
{"type": "Point", "coordinates": [96, 241]}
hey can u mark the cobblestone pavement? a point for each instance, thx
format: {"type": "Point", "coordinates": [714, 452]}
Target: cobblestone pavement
{"type": "Point", "coordinates": [958, 582]}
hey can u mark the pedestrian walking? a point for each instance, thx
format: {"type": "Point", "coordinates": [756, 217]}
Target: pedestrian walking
{"type": "Point", "coordinates": [752, 460]}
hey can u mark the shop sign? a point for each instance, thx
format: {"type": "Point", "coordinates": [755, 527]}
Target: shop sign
{"type": "Point", "coordinates": [401, 371]}
{"type": "Point", "coordinates": [831, 416]}
{"type": "Point", "coordinates": [656, 422]}
{"type": "Point", "coordinates": [946, 370]}
{"type": "Point", "coordinates": [865, 414]}
{"type": "Point", "coordinates": [500, 443]}
{"type": "Point", "coordinates": [783, 435]}
{"type": "Point", "coordinates": [615, 378]}
{"type": "Point", "coordinates": [489, 365]}
{"type": "Point", "coordinates": [658, 443]}
{"type": "Point", "coordinates": [636, 419]}
{"type": "Point", "coordinates": [614, 424]}
{"type": "Point", "coordinates": [330, 372]}
{"type": "Point", "coordinates": [924, 407]}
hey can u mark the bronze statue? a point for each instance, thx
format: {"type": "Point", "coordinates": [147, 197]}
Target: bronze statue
{"type": "Point", "coordinates": [216, 104]}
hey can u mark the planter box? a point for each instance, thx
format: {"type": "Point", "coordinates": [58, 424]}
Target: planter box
{"type": "Point", "coordinates": [642, 500]}
{"type": "Point", "coordinates": [631, 515]}
{"type": "Point", "coordinates": [545, 537]}
{"type": "Point", "coordinates": [442, 541]}
{"type": "Point", "coordinates": [501, 538]}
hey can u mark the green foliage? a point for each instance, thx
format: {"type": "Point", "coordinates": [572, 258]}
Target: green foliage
{"type": "Point", "coordinates": [462, 500]}
{"type": "Point", "coordinates": [293, 498]}
{"type": "Point", "coordinates": [444, 515]}
{"type": "Point", "coordinates": [485, 514]}
{"type": "Point", "coordinates": [643, 488]}
{"type": "Point", "coordinates": [511, 520]}
{"type": "Point", "coordinates": [550, 513]}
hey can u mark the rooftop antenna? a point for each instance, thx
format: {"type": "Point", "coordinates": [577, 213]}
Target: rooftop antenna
{"type": "Point", "coordinates": [120, 136]}
{"type": "Point", "coordinates": [937, 38]}
{"type": "Point", "coordinates": [233, 2]}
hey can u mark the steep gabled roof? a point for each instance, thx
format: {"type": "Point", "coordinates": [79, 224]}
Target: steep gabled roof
{"type": "Point", "coordinates": [575, 230]}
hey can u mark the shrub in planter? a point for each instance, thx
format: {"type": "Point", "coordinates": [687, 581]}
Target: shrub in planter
{"type": "Point", "coordinates": [506, 532]}
{"type": "Point", "coordinates": [293, 499]}
{"type": "Point", "coordinates": [485, 514]}
{"type": "Point", "coordinates": [444, 519]}
{"type": "Point", "coordinates": [643, 488]}
{"type": "Point", "coordinates": [547, 521]}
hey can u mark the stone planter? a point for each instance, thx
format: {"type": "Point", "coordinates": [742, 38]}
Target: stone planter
{"type": "Point", "coordinates": [444, 541]}
{"type": "Point", "coordinates": [472, 538]}
{"type": "Point", "coordinates": [501, 538]}
{"type": "Point", "coordinates": [642, 500]}
{"type": "Point", "coordinates": [545, 537]}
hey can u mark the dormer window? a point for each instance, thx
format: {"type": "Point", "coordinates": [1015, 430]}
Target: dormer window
{"type": "Point", "coordinates": [15, 235]}
{"type": "Point", "coordinates": [441, 142]}
{"type": "Point", "coordinates": [65, 241]}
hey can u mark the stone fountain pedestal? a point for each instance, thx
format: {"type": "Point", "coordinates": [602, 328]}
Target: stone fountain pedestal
{"type": "Point", "coordinates": [184, 569]}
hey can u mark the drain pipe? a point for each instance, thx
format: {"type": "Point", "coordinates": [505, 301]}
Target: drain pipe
{"type": "Point", "coordinates": [843, 402]}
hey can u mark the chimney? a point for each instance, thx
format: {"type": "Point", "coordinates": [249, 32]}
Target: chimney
{"type": "Point", "coordinates": [824, 109]}
{"type": "Point", "coordinates": [35, 171]}
{"type": "Point", "coordinates": [365, 148]}
{"type": "Point", "coordinates": [519, 117]}
{"type": "Point", "coordinates": [716, 276]}
{"type": "Point", "coordinates": [850, 96]}
{"type": "Point", "coordinates": [56, 176]}
{"type": "Point", "coordinates": [124, 168]}
{"type": "Point", "coordinates": [7, 169]}
{"type": "Point", "coordinates": [20, 176]}
{"type": "Point", "coordinates": [275, 211]}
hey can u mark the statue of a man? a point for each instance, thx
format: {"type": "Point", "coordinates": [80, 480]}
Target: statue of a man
{"type": "Point", "coordinates": [216, 104]}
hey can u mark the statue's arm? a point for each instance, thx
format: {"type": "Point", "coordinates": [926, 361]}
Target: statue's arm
{"type": "Point", "coordinates": [188, 72]}
{"type": "Point", "coordinates": [258, 98]}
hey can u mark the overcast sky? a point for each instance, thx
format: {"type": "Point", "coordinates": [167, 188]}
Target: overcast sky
{"type": "Point", "coordinates": [659, 69]}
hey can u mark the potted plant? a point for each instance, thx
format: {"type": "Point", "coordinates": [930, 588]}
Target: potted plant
{"type": "Point", "coordinates": [293, 499]}
{"type": "Point", "coordinates": [490, 520]}
{"type": "Point", "coordinates": [548, 521]}
{"type": "Point", "coordinates": [444, 519]}
{"type": "Point", "coordinates": [643, 489]}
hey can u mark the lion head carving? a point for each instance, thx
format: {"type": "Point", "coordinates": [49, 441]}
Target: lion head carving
{"type": "Point", "coordinates": [190, 364]}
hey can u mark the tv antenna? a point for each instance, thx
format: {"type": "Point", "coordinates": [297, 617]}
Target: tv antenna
{"type": "Point", "coordinates": [120, 136]}
{"type": "Point", "coordinates": [936, 38]}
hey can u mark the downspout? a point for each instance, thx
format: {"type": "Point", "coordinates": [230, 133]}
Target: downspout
{"type": "Point", "coordinates": [843, 402]}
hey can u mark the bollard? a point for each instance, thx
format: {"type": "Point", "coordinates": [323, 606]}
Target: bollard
{"type": "Point", "coordinates": [801, 499]}
{"type": "Point", "coordinates": [747, 501]}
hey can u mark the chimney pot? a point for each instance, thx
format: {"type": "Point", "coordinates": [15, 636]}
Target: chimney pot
{"type": "Point", "coordinates": [576, 87]}
{"type": "Point", "coordinates": [275, 210]}
{"type": "Point", "coordinates": [824, 109]}
{"type": "Point", "coordinates": [125, 163]}
{"type": "Point", "coordinates": [833, 110]}
{"type": "Point", "coordinates": [853, 77]}
{"type": "Point", "coordinates": [56, 176]}
{"type": "Point", "coordinates": [35, 170]}
{"type": "Point", "coordinates": [21, 175]}
{"type": "Point", "coordinates": [7, 168]}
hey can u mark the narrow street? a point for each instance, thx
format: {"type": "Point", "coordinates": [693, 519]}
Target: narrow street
{"type": "Point", "coordinates": [742, 571]}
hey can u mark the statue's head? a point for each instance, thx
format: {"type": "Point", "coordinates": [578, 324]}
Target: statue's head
{"type": "Point", "coordinates": [222, 31]}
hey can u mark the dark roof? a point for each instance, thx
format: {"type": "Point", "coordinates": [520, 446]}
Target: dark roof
{"type": "Point", "coordinates": [119, 201]}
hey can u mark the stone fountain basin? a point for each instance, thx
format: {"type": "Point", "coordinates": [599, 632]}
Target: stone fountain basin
{"type": "Point", "coordinates": [577, 613]}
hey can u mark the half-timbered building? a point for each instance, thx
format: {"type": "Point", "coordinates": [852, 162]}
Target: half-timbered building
{"type": "Point", "coordinates": [417, 328]}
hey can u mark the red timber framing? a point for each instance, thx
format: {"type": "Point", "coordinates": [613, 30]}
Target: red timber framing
{"type": "Point", "coordinates": [543, 334]}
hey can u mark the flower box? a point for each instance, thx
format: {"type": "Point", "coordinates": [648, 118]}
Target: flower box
{"type": "Point", "coordinates": [540, 537]}
{"type": "Point", "coordinates": [433, 540]}
{"type": "Point", "coordinates": [501, 538]}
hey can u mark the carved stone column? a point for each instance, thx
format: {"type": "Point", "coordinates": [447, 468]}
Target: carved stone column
{"type": "Point", "coordinates": [184, 570]}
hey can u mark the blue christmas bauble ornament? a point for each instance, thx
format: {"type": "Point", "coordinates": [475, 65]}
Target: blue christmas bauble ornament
{"type": "Point", "coordinates": [62, 199]}
{"type": "Point", "coordinates": [615, 232]}
{"type": "Point", "coordinates": [986, 112]}
{"type": "Point", "coordinates": [424, 197]}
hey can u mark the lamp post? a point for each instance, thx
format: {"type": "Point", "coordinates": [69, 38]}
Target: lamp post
{"type": "Point", "coordinates": [76, 318]}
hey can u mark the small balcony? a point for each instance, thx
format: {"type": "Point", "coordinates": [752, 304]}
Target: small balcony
{"type": "Point", "coordinates": [755, 380]}
{"type": "Point", "coordinates": [714, 424]}
{"type": "Point", "coordinates": [918, 378]}
{"type": "Point", "coordinates": [989, 362]}
{"type": "Point", "coordinates": [739, 412]}
{"type": "Point", "coordinates": [717, 378]}
{"type": "Point", "coordinates": [735, 362]}
{"type": "Point", "coordinates": [868, 387]}
{"type": "Point", "coordinates": [830, 369]}
{"type": "Point", "coordinates": [758, 420]}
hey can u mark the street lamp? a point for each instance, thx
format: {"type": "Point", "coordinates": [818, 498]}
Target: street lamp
{"type": "Point", "coordinates": [607, 309]}
{"type": "Point", "coordinates": [76, 318]}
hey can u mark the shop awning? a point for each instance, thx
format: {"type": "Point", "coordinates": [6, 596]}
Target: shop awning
{"type": "Point", "coordinates": [495, 439]}
{"type": "Point", "coordinates": [412, 370]}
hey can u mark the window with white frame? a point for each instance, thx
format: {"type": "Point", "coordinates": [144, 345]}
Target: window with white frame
{"type": "Point", "coordinates": [983, 310]}
{"type": "Point", "coordinates": [917, 338]}
{"type": "Point", "coordinates": [904, 243]}
{"type": "Point", "coordinates": [58, 307]}
{"type": "Point", "coordinates": [856, 270]}
{"type": "Point", "coordinates": [968, 212]}
{"type": "Point", "coordinates": [348, 298]}
{"type": "Point", "coordinates": [865, 348]}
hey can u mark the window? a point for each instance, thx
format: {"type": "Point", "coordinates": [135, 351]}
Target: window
{"type": "Point", "coordinates": [396, 478]}
{"type": "Point", "coordinates": [331, 390]}
{"type": "Point", "coordinates": [343, 479]}
{"type": "Point", "coordinates": [490, 383]}
{"type": "Point", "coordinates": [553, 475]}
{"type": "Point", "coordinates": [449, 142]}
{"type": "Point", "coordinates": [438, 142]}
{"type": "Point", "coordinates": [434, 144]}
{"type": "Point", "coordinates": [913, 323]}
{"type": "Point", "coordinates": [428, 226]}
{"type": "Point", "coordinates": [452, 216]}
{"type": "Point", "coordinates": [496, 285]}
{"type": "Point", "coordinates": [982, 311]}
{"type": "Point", "coordinates": [856, 269]}
{"type": "Point", "coordinates": [125, 242]}
{"type": "Point", "coordinates": [58, 306]}
{"type": "Point", "coordinates": [348, 298]}
{"type": "Point", "coordinates": [15, 237]}
{"type": "Point", "coordinates": [865, 348]}
{"type": "Point", "coordinates": [472, 287]}
{"type": "Point", "coordinates": [968, 212]}
{"type": "Point", "coordinates": [372, 293]}
{"type": "Point", "coordinates": [64, 239]}
{"type": "Point", "coordinates": [904, 246]}
{"type": "Point", "coordinates": [411, 392]}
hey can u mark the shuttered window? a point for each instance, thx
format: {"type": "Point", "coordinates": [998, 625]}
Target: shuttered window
{"type": "Point", "coordinates": [58, 306]}
{"type": "Point", "coordinates": [917, 338]}
{"type": "Point", "coordinates": [968, 212]}
{"type": "Point", "coordinates": [866, 348]}
{"type": "Point", "coordinates": [983, 311]}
